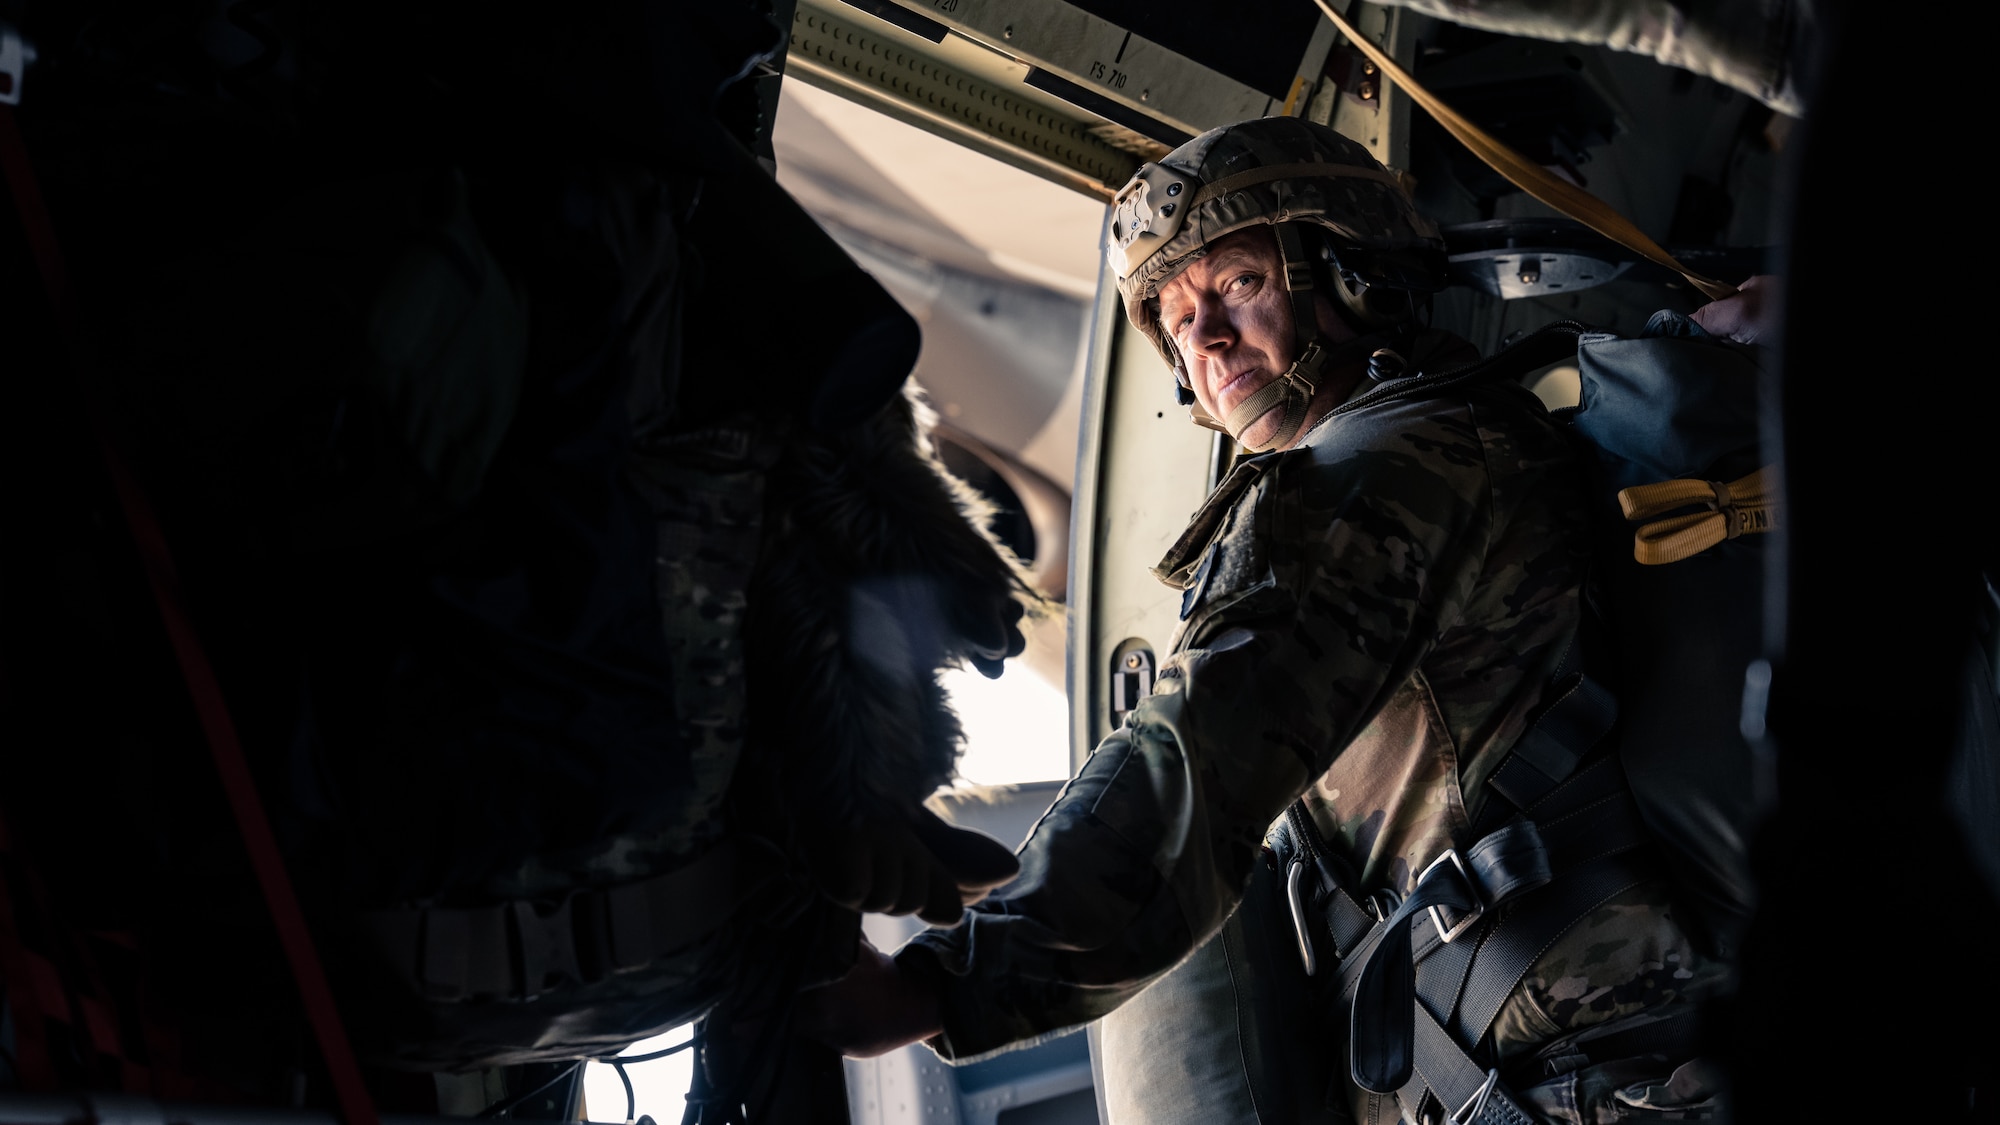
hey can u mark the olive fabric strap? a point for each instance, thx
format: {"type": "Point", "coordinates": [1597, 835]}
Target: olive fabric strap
{"type": "Point", "coordinates": [1292, 389]}
{"type": "Point", "coordinates": [1524, 173]}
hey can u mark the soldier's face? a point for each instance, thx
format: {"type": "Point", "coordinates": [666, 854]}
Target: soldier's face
{"type": "Point", "coordinates": [1231, 318]}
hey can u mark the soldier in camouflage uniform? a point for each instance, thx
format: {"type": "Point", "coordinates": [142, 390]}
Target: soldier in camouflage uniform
{"type": "Point", "coordinates": [1375, 606]}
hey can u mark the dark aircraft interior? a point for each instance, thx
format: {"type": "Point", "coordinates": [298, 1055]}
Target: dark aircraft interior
{"type": "Point", "coordinates": [331, 597]}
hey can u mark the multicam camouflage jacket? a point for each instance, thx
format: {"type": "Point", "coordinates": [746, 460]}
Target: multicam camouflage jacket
{"type": "Point", "coordinates": [1369, 620]}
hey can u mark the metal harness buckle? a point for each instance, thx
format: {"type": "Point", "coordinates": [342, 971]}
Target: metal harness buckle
{"type": "Point", "coordinates": [1476, 1104]}
{"type": "Point", "coordinates": [1297, 901]}
{"type": "Point", "coordinates": [1447, 932]}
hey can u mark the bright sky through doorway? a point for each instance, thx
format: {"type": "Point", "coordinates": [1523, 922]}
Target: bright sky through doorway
{"type": "Point", "coordinates": [1016, 727]}
{"type": "Point", "coordinates": [659, 1087]}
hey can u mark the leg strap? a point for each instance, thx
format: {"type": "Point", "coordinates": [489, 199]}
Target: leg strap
{"type": "Point", "coordinates": [1459, 899]}
{"type": "Point", "coordinates": [1524, 933]}
{"type": "Point", "coordinates": [1470, 1095]}
{"type": "Point", "coordinates": [1456, 893]}
{"type": "Point", "coordinates": [1440, 1022]}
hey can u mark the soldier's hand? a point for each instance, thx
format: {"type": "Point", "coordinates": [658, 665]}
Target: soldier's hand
{"type": "Point", "coordinates": [1752, 316]}
{"type": "Point", "coordinates": [874, 1009]}
{"type": "Point", "coordinates": [923, 867]}
{"type": "Point", "coordinates": [998, 640]}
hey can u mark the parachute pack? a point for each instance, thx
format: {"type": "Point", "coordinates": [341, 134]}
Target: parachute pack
{"type": "Point", "coordinates": [1648, 758]}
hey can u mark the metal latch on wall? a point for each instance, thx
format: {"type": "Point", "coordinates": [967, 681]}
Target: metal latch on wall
{"type": "Point", "coordinates": [1131, 678]}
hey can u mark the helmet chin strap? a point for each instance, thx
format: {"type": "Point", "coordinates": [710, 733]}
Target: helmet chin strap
{"type": "Point", "coordinates": [1294, 390]}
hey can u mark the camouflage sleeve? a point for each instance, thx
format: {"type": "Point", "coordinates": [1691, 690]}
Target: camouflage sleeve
{"type": "Point", "coordinates": [1323, 588]}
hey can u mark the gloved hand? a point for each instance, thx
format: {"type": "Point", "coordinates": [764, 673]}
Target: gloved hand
{"type": "Point", "coordinates": [874, 1009]}
{"type": "Point", "coordinates": [998, 640]}
{"type": "Point", "coordinates": [1752, 316]}
{"type": "Point", "coordinates": [920, 866]}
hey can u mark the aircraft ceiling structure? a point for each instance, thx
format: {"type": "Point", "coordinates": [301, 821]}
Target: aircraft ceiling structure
{"type": "Point", "coordinates": [1065, 88]}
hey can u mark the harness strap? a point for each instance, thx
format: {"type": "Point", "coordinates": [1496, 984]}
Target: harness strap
{"type": "Point", "coordinates": [1486, 973]}
{"type": "Point", "coordinates": [1589, 847]}
{"type": "Point", "coordinates": [1456, 892]}
{"type": "Point", "coordinates": [1590, 814]}
{"type": "Point", "coordinates": [1468, 1094]}
{"type": "Point", "coordinates": [1345, 920]}
{"type": "Point", "coordinates": [1549, 752]}
{"type": "Point", "coordinates": [1524, 934]}
{"type": "Point", "coordinates": [1442, 969]}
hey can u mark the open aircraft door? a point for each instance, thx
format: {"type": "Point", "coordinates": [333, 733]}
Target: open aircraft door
{"type": "Point", "coordinates": [1082, 93]}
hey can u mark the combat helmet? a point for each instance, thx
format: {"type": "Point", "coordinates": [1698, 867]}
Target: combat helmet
{"type": "Point", "coordinates": [1343, 222]}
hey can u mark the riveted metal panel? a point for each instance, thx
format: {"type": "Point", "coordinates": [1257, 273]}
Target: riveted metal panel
{"type": "Point", "coordinates": [1046, 85]}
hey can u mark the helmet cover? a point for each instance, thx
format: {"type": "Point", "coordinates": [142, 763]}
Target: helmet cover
{"type": "Point", "coordinates": [1267, 171]}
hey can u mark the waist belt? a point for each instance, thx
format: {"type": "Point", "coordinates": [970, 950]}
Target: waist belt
{"type": "Point", "coordinates": [518, 950]}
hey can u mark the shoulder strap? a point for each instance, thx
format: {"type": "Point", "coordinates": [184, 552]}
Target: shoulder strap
{"type": "Point", "coordinates": [1545, 345]}
{"type": "Point", "coordinates": [1565, 733]}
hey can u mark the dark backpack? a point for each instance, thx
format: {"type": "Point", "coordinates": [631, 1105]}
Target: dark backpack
{"type": "Point", "coordinates": [1677, 405]}
{"type": "Point", "coordinates": [1670, 422]}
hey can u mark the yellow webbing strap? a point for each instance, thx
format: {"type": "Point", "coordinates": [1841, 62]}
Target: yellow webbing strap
{"type": "Point", "coordinates": [1748, 506]}
{"type": "Point", "coordinates": [1525, 174]}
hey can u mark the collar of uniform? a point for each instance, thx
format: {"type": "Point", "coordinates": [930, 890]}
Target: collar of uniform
{"type": "Point", "coordinates": [1434, 351]}
{"type": "Point", "coordinates": [1178, 567]}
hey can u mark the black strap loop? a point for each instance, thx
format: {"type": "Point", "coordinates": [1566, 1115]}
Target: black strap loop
{"type": "Point", "coordinates": [1456, 892]}
{"type": "Point", "coordinates": [1559, 740]}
